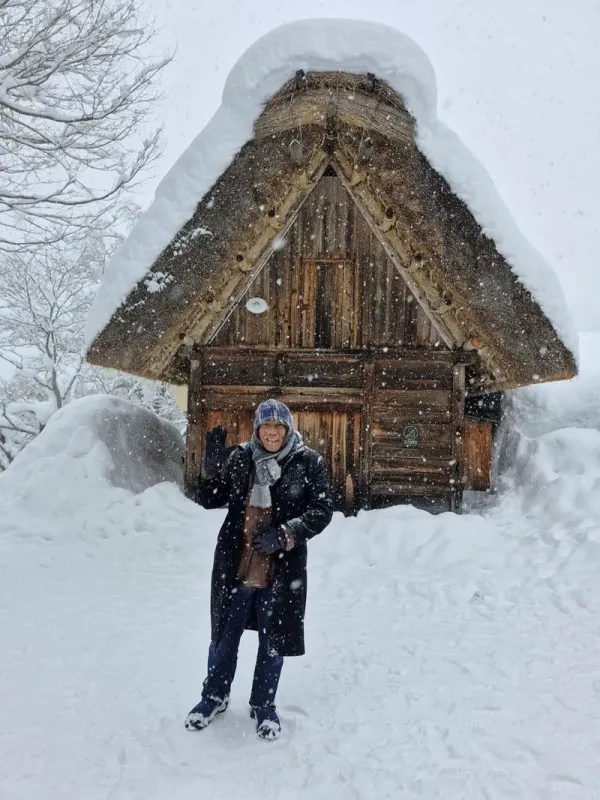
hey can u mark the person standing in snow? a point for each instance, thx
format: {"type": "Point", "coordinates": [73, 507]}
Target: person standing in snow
{"type": "Point", "coordinates": [278, 496]}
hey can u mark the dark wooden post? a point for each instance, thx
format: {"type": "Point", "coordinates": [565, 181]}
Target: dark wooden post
{"type": "Point", "coordinates": [458, 420]}
{"type": "Point", "coordinates": [194, 440]}
{"type": "Point", "coordinates": [366, 463]}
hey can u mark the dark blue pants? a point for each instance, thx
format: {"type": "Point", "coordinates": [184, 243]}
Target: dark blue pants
{"type": "Point", "coordinates": [222, 658]}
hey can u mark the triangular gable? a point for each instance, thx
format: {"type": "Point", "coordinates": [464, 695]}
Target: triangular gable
{"type": "Point", "coordinates": [329, 283]}
{"type": "Point", "coordinates": [452, 268]}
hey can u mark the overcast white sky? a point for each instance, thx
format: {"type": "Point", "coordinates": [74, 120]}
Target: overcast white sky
{"type": "Point", "coordinates": [518, 80]}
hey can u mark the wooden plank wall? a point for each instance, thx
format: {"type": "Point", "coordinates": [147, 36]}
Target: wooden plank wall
{"type": "Point", "coordinates": [354, 408]}
{"type": "Point", "coordinates": [330, 285]}
{"type": "Point", "coordinates": [478, 439]}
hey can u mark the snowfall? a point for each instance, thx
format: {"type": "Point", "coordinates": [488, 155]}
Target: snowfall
{"type": "Point", "coordinates": [447, 656]}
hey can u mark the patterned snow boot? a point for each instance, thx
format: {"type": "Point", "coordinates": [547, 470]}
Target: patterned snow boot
{"type": "Point", "coordinates": [203, 714]}
{"type": "Point", "coordinates": [267, 721]}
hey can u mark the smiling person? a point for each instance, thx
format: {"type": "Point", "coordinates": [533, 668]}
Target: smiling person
{"type": "Point", "coordinates": [278, 497]}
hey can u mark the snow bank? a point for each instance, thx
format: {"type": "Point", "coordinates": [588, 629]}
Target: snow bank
{"type": "Point", "coordinates": [539, 414]}
{"type": "Point", "coordinates": [93, 451]}
{"type": "Point", "coordinates": [549, 484]}
{"type": "Point", "coordinates": [446, 657]}
{"type": "Point", "coordinates": [350, 46]}
{"type": "Point", "coordinates": [575, 403]}
{"type": "Point", "coordinates": [559, 478]}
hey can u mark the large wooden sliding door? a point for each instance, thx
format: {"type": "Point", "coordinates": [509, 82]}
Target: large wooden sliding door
{"type": "Point", "coordinates": [336, 436]}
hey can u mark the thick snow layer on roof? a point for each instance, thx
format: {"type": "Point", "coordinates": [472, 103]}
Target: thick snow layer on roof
{"type": "Point", "coordinates": [350, 46]}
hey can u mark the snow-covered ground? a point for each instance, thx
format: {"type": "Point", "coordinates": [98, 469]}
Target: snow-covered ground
{"type": "Point", "coordinates": [448, 657]}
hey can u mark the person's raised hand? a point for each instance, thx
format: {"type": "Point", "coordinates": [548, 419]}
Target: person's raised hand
{"type": "Point", "coordinates": [215, 452]}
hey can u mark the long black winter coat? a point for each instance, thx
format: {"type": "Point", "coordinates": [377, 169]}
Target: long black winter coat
{"type": "Point", "coordinates": [301, 499]}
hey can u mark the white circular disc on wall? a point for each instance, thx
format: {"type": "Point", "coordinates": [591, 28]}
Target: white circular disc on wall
{"type": "Point", "coordinates": [257, 305]}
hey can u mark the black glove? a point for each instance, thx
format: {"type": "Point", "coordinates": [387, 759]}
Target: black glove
{"type": "Point", "coordinates": [215, 452]}
{"type": "Point", "coordinates": [268, 540]}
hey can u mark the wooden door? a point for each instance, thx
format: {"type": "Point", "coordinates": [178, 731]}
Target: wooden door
{"type": "Point", "coordinates": [416, 434]}
{"type": "Point", "coordinates": [239, 424]}
{"type": "Point", "coordinates": [478, 437]}
{"type": "Point", "coordinates": [336, 436]}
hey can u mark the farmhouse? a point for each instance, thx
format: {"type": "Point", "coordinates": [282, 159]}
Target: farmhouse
{"type": "Point", "coordinates": [331, 266]}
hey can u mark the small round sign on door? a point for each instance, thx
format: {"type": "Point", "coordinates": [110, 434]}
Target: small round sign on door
{"type": "Point", "coordinates": [411, 436]}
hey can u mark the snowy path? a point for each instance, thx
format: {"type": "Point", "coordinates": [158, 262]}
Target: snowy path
{"type": "Point", "coordinates": [445, 660]}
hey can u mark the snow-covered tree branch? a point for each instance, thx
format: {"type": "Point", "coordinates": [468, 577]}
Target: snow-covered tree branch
{"type": "Point", "coordinates": [76, 95]}
{"type": "Point", "coordinates": [45, 294]}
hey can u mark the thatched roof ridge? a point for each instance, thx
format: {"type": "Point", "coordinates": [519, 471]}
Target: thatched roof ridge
{"type": "Point", "coordinates": [361, 126]}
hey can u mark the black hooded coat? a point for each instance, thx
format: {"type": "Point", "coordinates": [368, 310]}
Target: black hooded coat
{"type": "Point", "coordinates": [302, 500]}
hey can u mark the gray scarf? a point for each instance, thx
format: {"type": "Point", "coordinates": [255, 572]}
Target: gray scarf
{"type": "Point", "coordinates": [267, 467]}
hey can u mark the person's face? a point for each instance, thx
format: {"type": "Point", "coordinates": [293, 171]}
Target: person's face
{"type": "Point", "coordinates": [271, 435]}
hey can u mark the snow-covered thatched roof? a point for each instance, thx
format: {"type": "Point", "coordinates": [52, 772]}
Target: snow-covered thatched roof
{"type": "Point", "coordinates": [358, 98]}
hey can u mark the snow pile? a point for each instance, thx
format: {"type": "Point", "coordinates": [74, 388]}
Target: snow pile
{"type": "Point", "coordinates": [550, 445]}
{"type": "Point", "coordinates": [351, 46]}
{"type": "Point", "coordinates": [549, 499]}
{"type": "Point", "coordinates": [559, 475]}
{"type": "Point", "coordinates": [575, 403]}
{"type": "Point", "coordinates": [92, 452]}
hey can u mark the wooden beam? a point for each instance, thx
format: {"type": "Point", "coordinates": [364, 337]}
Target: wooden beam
{"type": "Point", "coordinates": [193, 449]}
{"type": "Point", "coordinates": [298, 398]}
{"type": "Point", "coordinates": [366, 465]}
{"type": "Point", "coordinates": [458, 417]}
{"type": "Point", "coordinates": [383, 353]}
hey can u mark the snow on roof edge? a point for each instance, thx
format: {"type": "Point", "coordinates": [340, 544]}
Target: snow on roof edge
{"type": "Point", "coordinates": [324, 44]}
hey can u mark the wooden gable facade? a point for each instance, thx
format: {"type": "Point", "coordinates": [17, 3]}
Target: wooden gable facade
{"type": "Point", "coordinates": [346, 344]}
{"type": "Point", "coordinates": [385, 314]}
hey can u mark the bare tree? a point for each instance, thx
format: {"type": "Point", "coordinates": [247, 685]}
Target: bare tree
{"type": "Point", "coordinates": [45, 295]}
{"type": "Point", "coordinates": [76, 94]}
{"type": "Point", "coordinates": [44, 298]}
